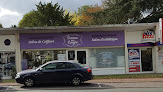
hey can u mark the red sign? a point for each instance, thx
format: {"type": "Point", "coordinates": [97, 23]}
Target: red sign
{"type": "Point", "coordinates": [161, 29]}
{"type": "Point", "coordinates": [148, 36]}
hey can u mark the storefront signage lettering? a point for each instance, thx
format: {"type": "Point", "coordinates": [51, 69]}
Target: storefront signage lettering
{"type": "Point", "coordinates": [40, 41]}
{"type": "Point", "coordinates": [134, 60]}
{"type": "Point", "coordinates": [148, 36]}
{"type": "Point", "coordinates": [105, 39]}
{"type": "Point", "coordinates": [74, 39]}
{"type": "Point", "coordinates": [141, 44]}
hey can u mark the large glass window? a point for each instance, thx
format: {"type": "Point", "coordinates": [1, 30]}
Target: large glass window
{"type": "Point", "coordinates": [32, 59]}
{"type": "Point", "coordinates": [107, 57]}
{"type": "Point", "coordinates": [7, 64]}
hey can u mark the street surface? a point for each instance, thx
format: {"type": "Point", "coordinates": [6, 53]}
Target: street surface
{"type": "Point", "coordinates": [101, 85]}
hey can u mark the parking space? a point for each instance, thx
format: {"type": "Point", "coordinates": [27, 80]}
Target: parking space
{"type": "Point", "coordinates": [83, 86]}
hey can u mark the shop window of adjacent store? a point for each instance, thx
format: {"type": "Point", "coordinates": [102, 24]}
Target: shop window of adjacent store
{"type": "Point", "coordinates": [107, 58]}
{"type": "Point", "coordinates": [7, 64]}
{"type": "Point", "coordinates": [140, 60]}
{"type": "Point", "coordinates": [33, 59]}
{"type": "Point", "coordinates": [146, 59]}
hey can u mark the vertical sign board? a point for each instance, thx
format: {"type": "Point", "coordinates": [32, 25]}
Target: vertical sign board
{"type": "Point", "coordinates": [160, 30]}
{"type": "Point", "coordinates": [134, 60]}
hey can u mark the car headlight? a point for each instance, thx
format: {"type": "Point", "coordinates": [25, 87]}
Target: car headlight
{"type": "Point", "coordinates": [17, 76]}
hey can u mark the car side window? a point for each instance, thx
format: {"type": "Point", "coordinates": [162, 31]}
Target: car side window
{"type": "Point", "coordinates": [70, 66]}
{"type": "Point", "coordinates": [51, 66]}
{"type": "Point", "coordinates": [61, 66]}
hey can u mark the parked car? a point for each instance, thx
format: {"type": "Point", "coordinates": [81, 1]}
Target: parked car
{"type": "Point", "coordinates": [55, 72]}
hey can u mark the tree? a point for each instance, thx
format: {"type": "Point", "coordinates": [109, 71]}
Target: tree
{"type": "Point", "coordinates": [31, 19]}
{"type": "Point", "coordinates": [46, 15]}
{"type": "Point", "coordinates": [1, 26]}
{"type": "Point", "coordinates": [120, 11]}
{"type": "Point", "coordinates": [13, 26]}
{"type": "Point", "coordinates": [84, 15]}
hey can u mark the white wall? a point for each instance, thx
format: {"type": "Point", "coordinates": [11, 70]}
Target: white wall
{"type": "Point", "coordinates": [134, 37]}
{"type": "Point", "coordinates": [108, 71]}
{"type": "Point", "coordinates": [159, 63]}
{"type": "Point", "coordinates": [10, 47]}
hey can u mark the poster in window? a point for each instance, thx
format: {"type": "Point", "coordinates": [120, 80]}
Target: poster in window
{"type": "Point", "coordinates": [61, 57]}
{"type": "Point", "coordinates": [134, 60]}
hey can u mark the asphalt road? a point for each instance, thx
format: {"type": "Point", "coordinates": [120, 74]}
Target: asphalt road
{"type": "Point", "coordinates": [96, 90]}
{"type": "Point", "coordinates": [148, 86]}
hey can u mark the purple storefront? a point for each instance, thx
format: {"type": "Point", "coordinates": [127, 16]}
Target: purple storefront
{"type": "Point", "coordinates": [104, 51]}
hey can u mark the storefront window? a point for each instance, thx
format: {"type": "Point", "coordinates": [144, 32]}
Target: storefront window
{"type": "Point", "coordinates": [107, 58]}
{"type": "Point", "coordinates": [7, 64]}
{"type": "Point", "coordinates": [32, 59]}
{"type": "Point", "coordinates": [71, 55]}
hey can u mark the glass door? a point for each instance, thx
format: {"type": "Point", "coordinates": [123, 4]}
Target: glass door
{"type": "Point", "coordinates": [79, 56]}
{"type": "Point", "coordinates": [146, 59]}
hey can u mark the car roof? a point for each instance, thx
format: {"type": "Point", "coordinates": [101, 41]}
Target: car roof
{"type": "Point", "coordinates": [60, 61]}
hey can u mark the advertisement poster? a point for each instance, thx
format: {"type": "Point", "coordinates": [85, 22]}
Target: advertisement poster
{"type": "Point", "coordinates": [134, 60]}
{"type": "Point", "coordinates": [61, 57]}
{"type": "Point", "coordinates": [160, 56]}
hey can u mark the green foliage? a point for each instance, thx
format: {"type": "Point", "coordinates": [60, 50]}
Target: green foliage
{"type": "Point", "coordinates": [128, 76]}
{"type": "Point", "coordinates": [31, 19]}
{"type": "Point", "coordinates": [120, 11]}
{"type": "Point", "coordinates": [13, 73]}
{"type": "Point", "coordinates": [46, 15]}
{"type": "Point", "coordinates": [1, 26]}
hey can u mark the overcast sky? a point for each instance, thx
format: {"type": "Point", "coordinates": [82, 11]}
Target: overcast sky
{"type": "Point", "coordinates": [12, 11]}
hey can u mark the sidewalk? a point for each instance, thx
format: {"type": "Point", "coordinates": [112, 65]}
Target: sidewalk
{"type": "Point", "coordinates": [126, 80]}
{"type": "Point", "coordinates": [130, 83]}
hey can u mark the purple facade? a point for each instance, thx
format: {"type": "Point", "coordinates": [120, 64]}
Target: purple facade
{"type": "Point", "coordinates": [67, 40]}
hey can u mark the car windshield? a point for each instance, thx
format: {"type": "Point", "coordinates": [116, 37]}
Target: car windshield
{"type": "Point", "coordinates": [41, 66]}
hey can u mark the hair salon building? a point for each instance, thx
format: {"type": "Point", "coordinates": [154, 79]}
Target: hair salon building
{"type": "Point", "coordinates": [108, 49]}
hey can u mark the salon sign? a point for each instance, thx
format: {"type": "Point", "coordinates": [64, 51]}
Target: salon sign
{"type": "Point", "coordinates": [71, 40]}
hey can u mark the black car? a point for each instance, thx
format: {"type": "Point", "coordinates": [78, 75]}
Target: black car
{"type": "Point", "coordinates": [55, 72]}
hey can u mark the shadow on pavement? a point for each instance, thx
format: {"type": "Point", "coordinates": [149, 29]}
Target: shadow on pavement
{"type": "Point", "coordinates": [83, 86]}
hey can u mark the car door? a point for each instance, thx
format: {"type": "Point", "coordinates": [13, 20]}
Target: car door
{"type": "Point", "coordinates": [63, 73]}
{"type": "Point", "coordinates": [47, 74]}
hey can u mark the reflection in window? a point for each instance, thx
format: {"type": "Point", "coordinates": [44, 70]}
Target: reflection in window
{"type": "Point", "coordinates": [71, 55]}
{"type": "Point", "coordinates": [107, 58]}
{"type": "Point", "coordinates": [81, 57]}
{"type": "Point", "coordinates": [51, 66]}
{"type": "Point", "coordinates": [36, 58]}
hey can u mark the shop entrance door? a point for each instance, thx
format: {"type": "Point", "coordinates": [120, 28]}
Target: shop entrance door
{"type": "Point", "coordinates": [79, 56]}
{"type": "Point", "coordinates": [146, 59]}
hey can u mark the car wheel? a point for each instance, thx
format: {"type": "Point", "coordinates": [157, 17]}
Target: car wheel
{"type": "Point", "coordinates": [76, 81]}
{"type": "Point", "coordinates": [29, 82]}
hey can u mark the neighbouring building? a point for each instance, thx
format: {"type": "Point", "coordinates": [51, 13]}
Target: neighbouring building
{"type": "Point", "coordinates": [108, 49]}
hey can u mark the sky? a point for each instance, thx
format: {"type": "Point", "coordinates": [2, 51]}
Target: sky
{"type": "Point", "coordinates": [12, 11]}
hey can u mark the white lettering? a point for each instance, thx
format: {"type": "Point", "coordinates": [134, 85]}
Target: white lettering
{"type": "Point", "coordinates": [105, 39]}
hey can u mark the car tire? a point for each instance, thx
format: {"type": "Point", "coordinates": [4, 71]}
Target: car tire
{"type": "Point", "coordinates": [76, 81]}
{"type": "Point", "coordinates": [29, 82]}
